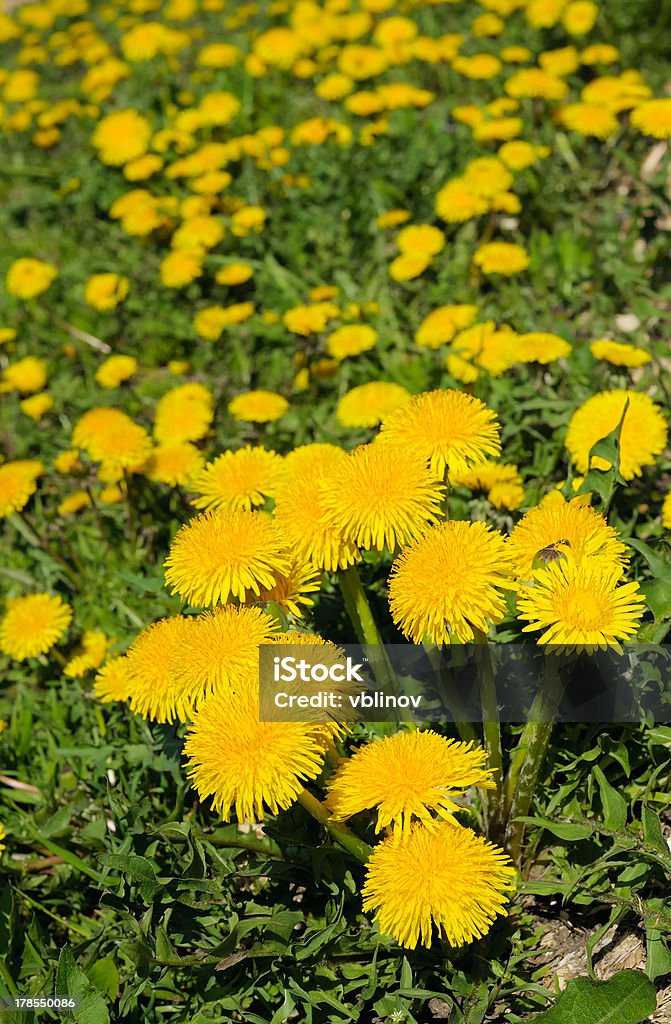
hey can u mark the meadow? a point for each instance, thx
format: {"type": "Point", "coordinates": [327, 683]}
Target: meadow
{"type": "Point", "coordinates": [326, 323]}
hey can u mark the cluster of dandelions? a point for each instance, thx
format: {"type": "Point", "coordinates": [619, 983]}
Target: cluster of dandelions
{"type": "Point", "coordinates": [247, 565]}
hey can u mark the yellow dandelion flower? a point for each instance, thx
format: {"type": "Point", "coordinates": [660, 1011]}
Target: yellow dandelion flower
{"type": "Point", "coordinates": [448, 877]}
{"type": "Point", "coordinates": [501, 258]}
{"type": "Point", "coordinates": [643, 435]}
{"type": "Point", "coordinates": [90, 655]}
{"type": "Point", "coordinates": [37, 406]}
{"type": "Point", "coordinates": [258, 406]}
{"type": "Point", "coordinates": [589, 119]}
{"type": "Point", "coordinates": [351, 340]}
{"type": "Point", "coordinates": [408, 266]}
{"type": "Point", "coordinates": [184, 414]}
{"type": "Point", "coordinates": [3, 835]}
{"type": "Point", "coordinates": [580, 605]}
{"type": "Point", "coordinates": [381, 496]}
{"type": "Point", "coordinates": [408, 777]}
{"type": "Point", "coordinates": [115, 370]}
{"type": "Point", "coordinates": [448, 429]}
{"type": "Point", "coordinates": [27, 277]}
{"type": "Point", "coordinates": [121, 137]}
{"type": "Point", "coordinates": [666, 512]}
{"type": "Point", "coordinates": [18, 482]}
{"type": "Point", "coordinates": [541, 347]}
{"type": "Point", "coordinates": [112, 682]}
{"type": "Point", "coordinates": [441, 325]}
{"type": "Point", "coordinates": [219, 651]}
{"type": "Point", "coordinates": [224, 554]}
{"type": "Point", "coordinates": [106, 291]}
{"type": "Point", "coordinates": [368, 404]}
{"type": "Point", "coordinates": [267, 764]}
{"type": "Point", "coordinates": [448, 583]}
{"type": "Point", "coordinates": [557, 527]}
{"type": "Point", "coordinates": [424, 239]}
{"type": "Point", "coordinates": [234, 273]}
{"type": "Point", "coordinates": [240, 479]}
{"type": "Point", "coordinates": [619, 354]}
{"type": "Point", "coordinates": [26, 375]}
{"type": "Point", "coordinates": [33, 624]}
{"type": "Point", "coordinates": [175, 464]}
{"type": "Point", "coordinates": [457, 202]}
{"type": "Point", "coordinates": [500, 480]}
{"type": "Point", "coordinates": [653, 118]}
{"type": "Point", "coordinates": [291, 589]}
{"type": "Point", "coordinates": [111, 437]}
{"type": "Point", "coordinates": [149, 669]}
{"type": "Point", "coordinates": [180, 268]}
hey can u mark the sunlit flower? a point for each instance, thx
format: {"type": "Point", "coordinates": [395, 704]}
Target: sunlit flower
{"type": "Point", "coordinates": [240, 479]}
{"type": "Point", "coordinates": [106, 291]}
{"type": "Point", "coordinates": [176, 463]}
{"type": "Point", "coordinates": [26, 375]}
{"type": "Point", "coordinates": [33, 624]}
{"type": "Point", "coordinates": [541, 347]}
{"type": "Point", "coordinates": [112, 682]}
{"type": "Point", "coordinates": [619, 354]}
{"type": "Point", "coordinates": [27, 277]}
{"type": "Point", "coordinates": [449, 583]}
{"type": "Point", "coordinates": [149, 670]}
{"type": "Point", "coordinates": [115, 370]}
{"type": "Point", "coordinates": [448, 429]}
{"type": "Point", "coordinates": [18, 482]}
{"type": "Point", "coordinates": [267, 765]}
{"type": "Point", "coordinates": [501, 258]}
{"type": "Point", "coordinates": [653, 118]}
{"type": "Point", "coordinates": [408, 777]}
{"type": "Point", "coordinates": [258, 406]}
{"type": "Point", "coordinates": [224, 554]}
{"type": "Point", "coordinates": [37, 406]}
{"type": "Point", "coordinates": [90, 655]}
{"type": "Point", "coordinates": [445, 876]}
{"type": "Point", "coordinates": [351, 340]}
{"type": "Point", "coordinates": [184, 414]}
{"type": "Point", "coordinates": [111, 437]}
{"type": "Point", "coordinates": [368, 404]}
{"type": "Point", "coordinates": [122, 136]}
{"type": "Point", "coordinates": [580, 605]}
{"type": "Point", "coordinates": [441, 325]}
{"type": "Point", "coordinates": [643, 435]}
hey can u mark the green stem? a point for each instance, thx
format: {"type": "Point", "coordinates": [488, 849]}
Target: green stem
{"type": "Point", "coordinates": [529, 755]}
{"type": "Point", "coordinates": [361, 616]}
{"type": "Point", "coordinates": [491, 733]}
{"type": "Point", "coordinates": [7, 978]}
{"type": "Point", "coordinates": [450, 695]}
{"type": "Point", "coordinates": [340, 832]}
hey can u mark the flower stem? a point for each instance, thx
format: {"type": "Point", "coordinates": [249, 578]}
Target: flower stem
{"type": "Point", "coordinates": [361, 616]}
{"type": "Point", "coordinates": [491, 733]}
{"type": "Point", "coordinates": [339, 831]}
{"type": "Point", "coordinates": [529, 756]}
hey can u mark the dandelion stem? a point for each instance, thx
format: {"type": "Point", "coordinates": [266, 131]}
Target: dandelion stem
{"type": "Point", "coordinates": [491, 733]}
{"type": "Point", "coordinates": [339, 831]}
{"type": "Point", "coordinates": [529, 756]}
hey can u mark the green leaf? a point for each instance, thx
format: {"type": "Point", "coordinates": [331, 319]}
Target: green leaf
{"type": "Point", "coordinates": [652, 829]}
{"type": "Point", "coordinates": [105, 976]}
{"type": "Point", "coordinates": [626, 998]}
{"type": "Point", "coordinates": [561, 829]}
{"type": "Point", "coordinates": [71, 981]}
{"type": "Point", "coordinates": [614, 805]}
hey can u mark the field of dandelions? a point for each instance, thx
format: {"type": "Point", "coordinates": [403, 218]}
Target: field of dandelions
{"type": "Point", "coordinates": [325, 321]}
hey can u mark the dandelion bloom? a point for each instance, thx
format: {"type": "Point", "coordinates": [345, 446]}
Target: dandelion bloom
{"type": "Point", "coordinates": [448, 877]}
{"type": "Point", "coordinates": [441, 325]}
{"type": "Point", "coordinates": [424, 239]}
{"type": "Point", "coordinates": [541, 347]}
{"type": "Point", "coordinates": [291, 589]}
{"type": "Point", "coordinates": [381, 496]}
{"type": "Point", "coordinates": [448, 583]}
{"type": "Point", "coordinates": [33, 624]}
{"type": "Point", "coordinates": [448, 429]}
{"type": "Point", "coordinates": [406, 777]}
{"type": "Point", "coordinates": [560, 526]}
{"type": "Point", "coordinates": [224, 554]}
{"type": "Point", "coordinates": [27, 277]}
{"type": "Point", "coordinates": [258, 406]}
{"type": "Point", "coordinates": [643, 435]}
{"type": "Point", "coordinates": [500, 480]}
{"type": "Point", "coordinates": [37, 405]}
{"type": "Point", "coordinates": [105, 291]}
{"type": "Point", "coordinates": [18, 482]}
{"type": "Point", "coordinates": [184, 414]}
{"type": "Point", "coordinates": [180, 268]}
{"type": "Point", "coordinates": [121, 137]}
{"type": "Point", "coordinates": [234, 273]}
{"type": "Point", "coordinates": [408, 266]}
{"type": "Point", "coordinates": [217, 652]}
{"type": "Point", "coordinates": [368, 404]}
{"type": "Point", "coordinates": [457, 201]}
{"type": "Point", "coordinates": [589, 119]}
{"type": "Point", "coordinates": [619, 354]}
{"type": "Point", "coordinates": [666, 512]}
{"type": "Point", "coordinates": [266, 763]}
{"type": "Point", "coordinates": [653, 118]}
{"type": "Point", "coordinates": [240, 479]}
{"type": "Point", "coordinates": [112, 682]}
{"type": "Point", "coordinates": [91, 654]}
{"type": "Point", "coordinates": [351, 340]}
{"type": "Point", "coordinates": [115, 370]}
{"type": "Point", "coordinates": [111, 437]}
{"type": "Point", "coordinates": [175, 464]}
{"type": "Point", "coordinates": [501, 258]}
{"type": "Point", "coordinates": [579, 604]}
{"type": "Point", "coordinates": [26, 375]}
{"type": "Point", "coordinates": [300, 513]}
{"type": "Point", "coordinates": [149, 668]}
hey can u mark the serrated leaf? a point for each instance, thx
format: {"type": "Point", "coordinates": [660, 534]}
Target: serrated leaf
{"type": "Point", "coordinates": [71, 981]}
